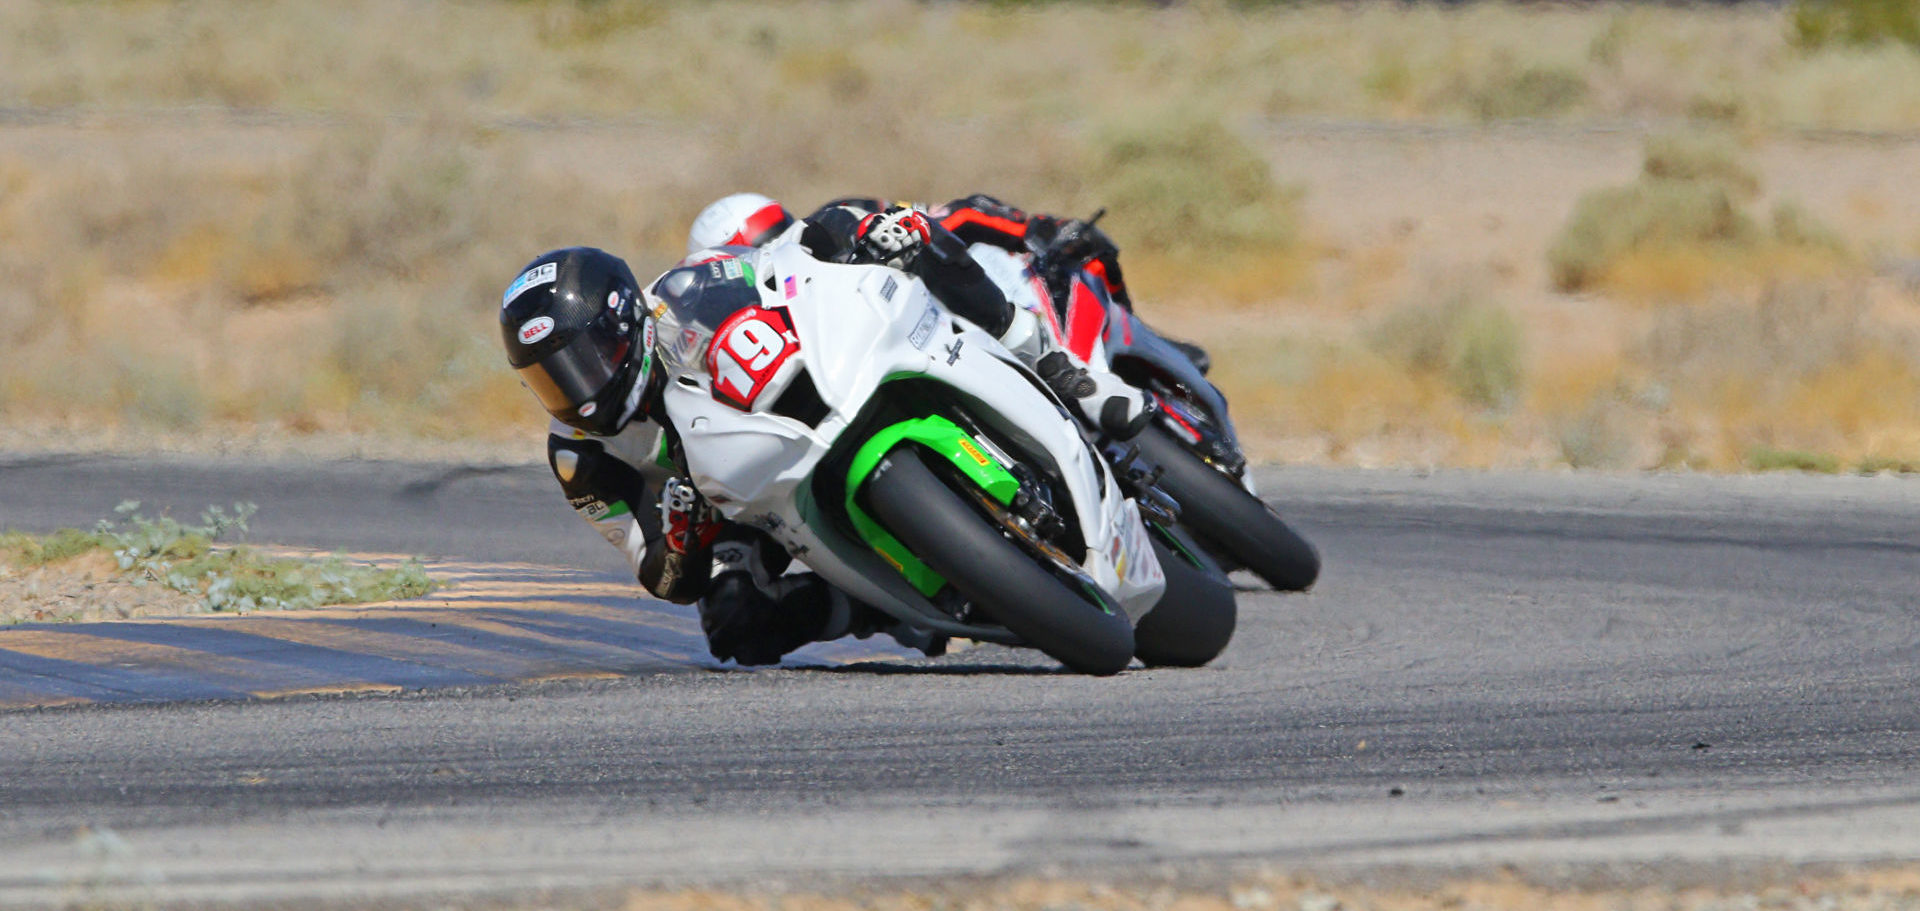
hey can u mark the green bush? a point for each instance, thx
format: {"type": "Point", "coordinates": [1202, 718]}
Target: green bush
{"type": "Point", "coordinates": [1534, 91]}
{"type": "Point", "coordinates": [1181, 184]}
{"type": "Point", "coordinates": [1609, 223]}
{"type": "Point", "coordinates": [1474, 346]}
{"type": "Point", "coordinates": [1689, 195]}
{"type": "Point", "coordinates": [1818, 23]}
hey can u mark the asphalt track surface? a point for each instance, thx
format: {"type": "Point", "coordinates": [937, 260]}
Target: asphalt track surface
{"type": "Point", "coordinates": [1494, 668]}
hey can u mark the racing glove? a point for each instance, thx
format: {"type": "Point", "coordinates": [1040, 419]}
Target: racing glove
{"type": "Point", "coordinates": [688, 521]}
{"type": "Point", "coordinates": [679, 569]}
{"type": "Point", "coordinates": [892, 238]}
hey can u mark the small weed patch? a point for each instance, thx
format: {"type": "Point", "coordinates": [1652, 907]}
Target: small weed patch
{"type": "Point", "coordinates": [179, 559]}
{"type": "Point", "coordinates": [1884, 465]}
{"type": "Point", "coordinates": [1767, 458]}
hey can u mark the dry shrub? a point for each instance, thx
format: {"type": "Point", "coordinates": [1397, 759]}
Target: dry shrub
{"type": "Point", "coordinates": [1819, 23]}
{"type": "Point", "coordinates": [1705, 157]}
{"type": "Point", "coordinates": [1528, 92]}
{"type": "Point", "coordinates": [1805, 369]}
{"type": "Point", "coordinates": [1182, 184]}
{"type": "Point", "coordinates": [1472, 345]}
{"type": "Point", "coordinates": [556, 60]}
{"type": "Point", "coordinates": [1681, 226]}
{"type": "Point", "coordinates": [352, 288]}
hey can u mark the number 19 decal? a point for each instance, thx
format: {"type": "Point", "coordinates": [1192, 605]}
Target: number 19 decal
{"type": "Point", "coordinates": [747, 353]}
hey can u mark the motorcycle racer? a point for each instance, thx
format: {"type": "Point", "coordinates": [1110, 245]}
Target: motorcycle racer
{"type": "Point", "coordinates": [577, 329]}
{"type": "Point", "coordinates": [982, 219]}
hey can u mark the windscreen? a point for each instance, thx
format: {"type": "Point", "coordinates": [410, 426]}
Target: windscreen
{"type": "Point", "coordinates": [697, 298]}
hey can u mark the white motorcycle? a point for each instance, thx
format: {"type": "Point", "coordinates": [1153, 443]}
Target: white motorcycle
{"type": "Point", "coordinates": [910, 460]}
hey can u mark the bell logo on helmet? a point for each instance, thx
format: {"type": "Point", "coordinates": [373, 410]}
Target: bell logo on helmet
{"type": "Point", "coordinates": [535, 329]}
{"type": "Point", "coordinates": [613, 300]}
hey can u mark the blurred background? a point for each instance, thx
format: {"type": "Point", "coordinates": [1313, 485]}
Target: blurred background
{"type": "Point", "coordinates": [1482, 234]}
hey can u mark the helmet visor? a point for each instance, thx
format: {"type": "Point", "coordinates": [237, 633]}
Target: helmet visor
{"type": "Point", "coordinates": [575, 375]}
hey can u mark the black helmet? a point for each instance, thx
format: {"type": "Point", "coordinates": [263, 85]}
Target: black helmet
{"type": "Point", "coordinates": [576, 331]}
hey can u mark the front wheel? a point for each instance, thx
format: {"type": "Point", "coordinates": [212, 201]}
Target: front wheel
{"type": "Point", "coordinates": [1006, 582]}
{"type": "Point", "coordinates": [1228, 519]}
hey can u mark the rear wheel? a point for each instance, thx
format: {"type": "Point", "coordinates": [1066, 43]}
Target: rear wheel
{"type": "Point", "coordinates": [1194, 619]}
{"type": "Point", "coordinates": [999, 577]}
{"type": "Point", "coordinates": [1228, 519]}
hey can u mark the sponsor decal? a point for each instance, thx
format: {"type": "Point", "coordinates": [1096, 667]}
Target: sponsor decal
{"type": "Point", "coordinates": [659, 309]}
{"type": "Point", "coordinates": [535, 329]}
{"type": "Point", "coordinates": [746, 355]}
{"type": "Point", "coordinates": [689, 338]}
{"type": "Point", "coordinates": [953, 350]}
{"type": "Point", "coordinates": [586, 502]}
{"type": "Point", "coordinates": [731, 267]}
{"type": "Point", "coordinates": [587, 410]}
{"type": "Point", "coordinates": [613, 300]}
{"type": "Point", "coordinates": [793, 288]}
{"type": "Point", "coordinates": [543, 274]}
{"type": "Point", "coordinates": [597, 510]}
{"type": "Point", "coordinates": [973, 451]}
{"type": "Point", "coordinates": [923, 330]}
{"type": "Point", "coordinates": [887, 290]}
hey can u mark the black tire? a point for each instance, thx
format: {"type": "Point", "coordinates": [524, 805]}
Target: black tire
{"type": "Point", "coordinates": [1194, 620]}
{"type": "Point", "coordinates": [959, 543]}
{"type": "Point", "coordinates": [1229, 520]}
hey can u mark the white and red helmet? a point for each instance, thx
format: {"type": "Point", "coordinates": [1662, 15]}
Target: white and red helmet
{"type": "Point", "coordinates": [743, 219]}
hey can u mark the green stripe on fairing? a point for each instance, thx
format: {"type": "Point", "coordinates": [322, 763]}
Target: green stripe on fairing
{"type": "Point", "coordinates": [942, 437]}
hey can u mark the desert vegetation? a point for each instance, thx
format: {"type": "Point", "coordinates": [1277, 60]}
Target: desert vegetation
{"type": "Point", "coordinates": [132, 565]}
{"type": "Point", "coordinates": [290, 220]}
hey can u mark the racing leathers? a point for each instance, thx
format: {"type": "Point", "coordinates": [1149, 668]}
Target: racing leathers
{"type": "Point", "coordinates": [631, 489]}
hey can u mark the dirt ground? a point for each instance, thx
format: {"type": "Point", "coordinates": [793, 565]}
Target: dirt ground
{"type": "Point", "coordinates": [88, 587]}
{"type": "Point", "coordinates": [1628, 888]}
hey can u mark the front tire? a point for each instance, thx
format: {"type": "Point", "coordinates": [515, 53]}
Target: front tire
{"type": "Point", "coordinates": [1003, 580]}
{"type": "Point", "coordinates": [1228, 519]}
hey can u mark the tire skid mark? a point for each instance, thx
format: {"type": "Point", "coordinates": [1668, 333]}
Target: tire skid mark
{"type": "Point", "coordinates": [488, 624]}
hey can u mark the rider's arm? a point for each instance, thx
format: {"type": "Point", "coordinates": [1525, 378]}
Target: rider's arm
{"type": "Point", "coordinates": [956, 280]}
{"type": "Point", "coordinates": [615, 498]}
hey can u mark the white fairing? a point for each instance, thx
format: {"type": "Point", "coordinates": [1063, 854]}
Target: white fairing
{"type": "Point", "coordinates": [858, 326]}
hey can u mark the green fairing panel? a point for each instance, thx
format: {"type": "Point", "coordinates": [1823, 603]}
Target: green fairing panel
{"type": "Point", "coordinates": [941, 437]}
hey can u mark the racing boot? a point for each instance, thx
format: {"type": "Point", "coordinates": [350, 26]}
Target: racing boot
{"type": "Point", "coordinates": [843, 616]}
{"type": "Point", "coordinates": [1104, 401]}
